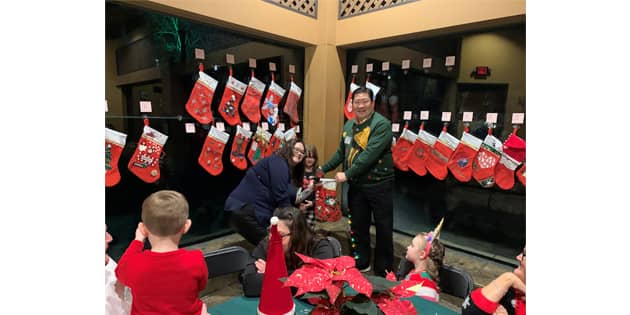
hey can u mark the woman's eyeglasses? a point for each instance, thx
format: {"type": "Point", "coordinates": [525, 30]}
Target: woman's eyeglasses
{"type": "Point", "coordinates": [298, 151]}
{"type": "Point", "coordinates": [282, 235]}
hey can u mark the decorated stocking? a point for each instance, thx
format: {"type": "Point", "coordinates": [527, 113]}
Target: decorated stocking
{"type": "Point", "coordinates": [145, 162]}
{"type": "Point", "coordinates": [440, 154]}
{"type": "Point", "coordinates": [347, 108]}
{"type": "Point", "coordinates": [269, 108]}
{"type": "Point", "coordinates": [251, 102]}
{"type": "Point", "coordinates": [460, 163]}
{"type": "Point", "coordinates": [200, 100]}
{"type": "Point", "coordinates": [375, 88]}
{"type": "Point", "coordinates": [239, 146]}
{"type": "Point", "coordinates": [228, 108]}
{"type": "Point", "coordinates": [487, 158]}
{"type": "Point", "coordinates": [401, 151]}
{"type": "Point", "coordinates": [275, 143]}
{"type": "Point", "coordinates": [259, 146]}
{"type": "Point", "coordinates": [114, 144]}
{"type": "Point", "coordinates": [520, 174]}
{"type": "Point", "coordinates": [327, 209]}
{"type": "Point", "coordinates": [289, 135]}
{"type": "Point", "coordinates": [420, 152]}
{"type": "Point", "coordinates": [212, 151]}
{"type": "Point", "coordinates": [291, 104]}
{"type": "Point", "coordinates": [513, 155]}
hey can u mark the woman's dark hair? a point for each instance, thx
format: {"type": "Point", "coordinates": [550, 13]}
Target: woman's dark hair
{"type": "Point", "coordinates": [297, 171]}
{"type": "Point", "coordinates": [363, 89]}
{"type": "Point", "coordinates": [303, 239]}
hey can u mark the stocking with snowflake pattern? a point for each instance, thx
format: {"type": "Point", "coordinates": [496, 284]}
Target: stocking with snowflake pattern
{"type": "Point", "coordinates": [114, 144]}
{"type": "Point", "coordinates": [145, 162]}
{"type": "Point", "coordinates": [200, 100]}
{"type": "Point", "coordinates": [211, 154]}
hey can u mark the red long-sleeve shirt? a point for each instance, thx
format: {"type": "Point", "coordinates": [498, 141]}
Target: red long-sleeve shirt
{"type": "Point", "coordinates": [163, 283]}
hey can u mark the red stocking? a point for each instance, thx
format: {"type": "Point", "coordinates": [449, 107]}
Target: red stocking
{"type": "Point", "coordinates": [401, 151]}
{"type": "Point", "coordinates": [275, 142]}
{"type": "Point", "coordinates": [460, 163]}
{"type": "Point", "coordinates": [520, 174]}
{"type": "Point", "coordinates": [420, 150]}
{"type": "Point", "coordinates": [440, 154]}
{"type": "Point", "coordinates": [375, 88]}
{"type": "Point", "coordinates": [239, 146]}
{"type": "Point", "coordinates": [487, 158]}
{"type": "Point", "coordinates": [228, 108]}
{"type": "Point", "coordinates": [145, 162]}
{"type": "Point", "coordinates": [114, 144]}
{"type": "Point", "coordinates": [347, 108]}
{"type": "Point", "coordinates": [327, 208]}
{"type": "Point", "coordinates": [291, 104]}
{"type": "Point", "coordinates": [504, 171]}
{"type": "Point", "coordinates": [259, 146]}
{"type": "Point", "coordinates": [514, 146]}
{"type": "Point", "coordinates": [251, 102]}
{"type": "Point", "coordinates": [200, 100]}
{"type": "Point", "coordinates": [212, 151]}
{"type": "Point", "coordinates": [270, 106]}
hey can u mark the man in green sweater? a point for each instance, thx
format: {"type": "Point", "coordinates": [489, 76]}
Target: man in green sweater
{"type": "Point", "coordinates": [365, 151]}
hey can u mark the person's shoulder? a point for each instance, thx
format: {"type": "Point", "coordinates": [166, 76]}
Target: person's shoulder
{"type": "Point", "coordinates": [379, 119]}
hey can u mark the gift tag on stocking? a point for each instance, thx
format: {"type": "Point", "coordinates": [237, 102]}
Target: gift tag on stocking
{"type": "Point", "coordinates": [239, 147]}
{"type": "Point", "coordinates": [145, 162]}
{"type": "Point", "coordinates": [251, 101]}
{"type": "Point", "coordinates": [347, 108]}
{"type": "Point", "coordinates": [259, 146]}
{"type": "Point", "coordinates": [200, 100]}
{"type": "Point", "coordinates": [212, 151]}
{"type": "Point", "coordinates": [228, 108]}
{"type": "Point", "coordinates": [441, 152]}
{"type": "Point", "coordinates": [460, 163]}
{"type": "Point", "coordinates": [114, 144]}
{"type": "Point", "coordinates": [401, 151]}
{"type": "Point", "coordinates": [504, 171]}
{"type": "Point", "coordinates": [269, 108]}
{"type": "Point", "coordinates": [419, 152]}
{"type": "Point", "coordinates": [291, 104]}
{"type": "Point", "coordinates": [485, 161]}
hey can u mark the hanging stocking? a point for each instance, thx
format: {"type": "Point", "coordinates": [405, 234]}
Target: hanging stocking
{"type": "Point", "coordinates": [513, 155]}
{"type": "Point", "coordinates": [327, 209]}
{"type": "Point", "coordinates": [291, 104]}
{"type": "Point", "coordinates": [401, 151]}
{"type": "Point", "coordinates": [228, 108]}
{"type": "Point", "coordinates": [460, 163]}
{"type": "Point", "coordinates": [253, 96]}
{"type": "Point", "coordinates": [212, 151]}
{"type": "Point", "coordinates": [520, 174]}
{"type": "Point", "coordinates": [145, 162]}
{"type": "Point", "coordinates": [275, 143]}
{"type": "Point", "coordinates": [420, 151]}
{"type": "Point", "coordinates": [487, 158]}
{"type": "Point", "coordinates": [375, 88]}
{"type": "Point", "coordinates": [114, 144]}
{"type": "Point", "coordinates": [259, 146]}
{"type": "Point", "coordinates": [347, 109]}
{"type": "Point", "coordinates": [269, 108]}
{"type": "Point", "coordinates": [239, 146]}
{"type": "Point", "coordinates": [289, 135]}
{"type": "Point", "coordinates": [440, 154]}
{"type": "Point", "coordinates": [200, 100]}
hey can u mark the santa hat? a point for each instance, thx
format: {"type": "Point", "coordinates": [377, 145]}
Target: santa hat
{"type": "Point", "coordinates": [275, 298]}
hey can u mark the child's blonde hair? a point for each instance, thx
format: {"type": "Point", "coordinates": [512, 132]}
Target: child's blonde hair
{"type": "Point", "coordinates": [165, 212]}
{"type": "Point", "coordinates": [435, 257]}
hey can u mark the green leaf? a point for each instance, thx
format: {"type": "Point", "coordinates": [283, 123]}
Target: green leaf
{"type": "Point", "coordinates": [361, 308]}
{"type": "Point", "coordinates": [380, 284]}
{"type": "Point", "coordinates": [320, 294]}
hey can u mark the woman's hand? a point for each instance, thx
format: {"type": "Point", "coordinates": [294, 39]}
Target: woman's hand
{"type": "Point", "coordinates": [305, 205]}
{"type": "Point", "coordinates": [260, 265]}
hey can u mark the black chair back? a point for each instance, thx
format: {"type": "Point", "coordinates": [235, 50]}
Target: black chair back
{"type": "Point", "coordinates": [226, 260]}
{"type": "Point", "coordinates": [453, 281]}
{"type": "Point", "coordinates": [335, 245]}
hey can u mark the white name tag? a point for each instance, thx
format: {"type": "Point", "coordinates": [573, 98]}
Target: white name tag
{"type": "Point", "coordinates": [347, 140]}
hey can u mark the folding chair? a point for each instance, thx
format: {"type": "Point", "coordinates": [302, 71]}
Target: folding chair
{"type": "Point", "coordinates": [453, 281]}
{"type": "Point", "coordinates": [226, 260]}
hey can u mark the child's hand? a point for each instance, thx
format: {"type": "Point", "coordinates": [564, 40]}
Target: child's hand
{"type": "Point", "coordinates": [140, 232]}
{"type": "Point", "coordinates": [260, 265]}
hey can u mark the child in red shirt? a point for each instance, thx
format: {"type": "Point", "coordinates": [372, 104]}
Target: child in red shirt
{"type": "Point", "coordinates": [164, 280]}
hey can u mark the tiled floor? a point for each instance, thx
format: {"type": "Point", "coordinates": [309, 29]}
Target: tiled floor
{"type": "Point", "coordinates": [223, 288]}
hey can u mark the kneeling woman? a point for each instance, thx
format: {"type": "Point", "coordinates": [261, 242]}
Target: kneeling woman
{"type": "Point", "coordinates": [296, 237]}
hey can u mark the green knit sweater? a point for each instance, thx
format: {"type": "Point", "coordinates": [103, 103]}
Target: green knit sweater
{"type": "Point", "coordinates": [365, 150]}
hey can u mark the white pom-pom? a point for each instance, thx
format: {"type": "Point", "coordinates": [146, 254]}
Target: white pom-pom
{"type": "Point", "coordinates": [274, 220]}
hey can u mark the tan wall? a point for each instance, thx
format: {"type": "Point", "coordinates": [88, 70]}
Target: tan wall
{"type": "Point", "coordinates": [504, 52]}
{"type": "Point", "coordinates": [412, 19]}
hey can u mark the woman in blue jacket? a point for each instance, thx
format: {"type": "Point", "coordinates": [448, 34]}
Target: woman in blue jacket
{"type": "Point", "coordinates": [268, 185]}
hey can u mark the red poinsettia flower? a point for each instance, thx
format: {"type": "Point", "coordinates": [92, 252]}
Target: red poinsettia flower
{"type": "Point", "coordinates": [328, 274]}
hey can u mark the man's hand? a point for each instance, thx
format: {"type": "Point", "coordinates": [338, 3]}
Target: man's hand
{"type": "Point", "coordinates": [260, 265]}
{"type": "Point", "coordinates": [340, 177]}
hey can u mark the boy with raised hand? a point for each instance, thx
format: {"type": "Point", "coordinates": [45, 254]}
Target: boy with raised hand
{"type": "Point", "coordinates": [165, 279]}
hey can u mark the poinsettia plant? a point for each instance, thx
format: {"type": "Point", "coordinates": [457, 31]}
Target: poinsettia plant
{"type": "Point", "coordinates": [336, 287]}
